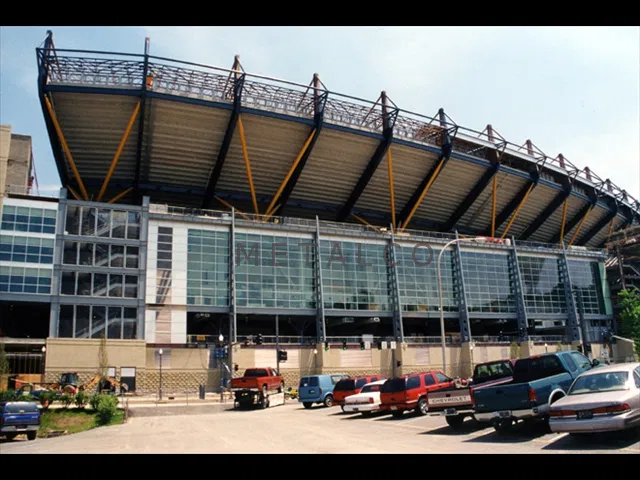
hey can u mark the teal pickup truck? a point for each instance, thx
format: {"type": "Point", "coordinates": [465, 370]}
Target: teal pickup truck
{"type": "Point", "coordinates": [538, 381]}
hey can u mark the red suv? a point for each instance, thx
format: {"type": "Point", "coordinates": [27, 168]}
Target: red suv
{"type": "Point", "coordinates": [352, 386]}
{"type": "Point", "coordinates": [410, 392]}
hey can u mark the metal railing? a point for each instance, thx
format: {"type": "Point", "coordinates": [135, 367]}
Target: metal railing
{"type": "Point", "coordinates": [213, 84]}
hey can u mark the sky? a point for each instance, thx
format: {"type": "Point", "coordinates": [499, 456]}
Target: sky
{"type": "Point", "coordinates": [571, 90]}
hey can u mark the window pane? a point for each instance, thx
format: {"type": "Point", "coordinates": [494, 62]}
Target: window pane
{"type": "Point", "coordinates": [82, 321]}
{"type": "Point", "coordinates": [65, 325]}
{"type": "Point", "coordinates": [118, 224]}
{"type": "Point", "coordinates": [84, 284]}
{"type": "Point", "coordinates": [117, 256]}
{"type": "Point", "coordinates": [129, 328]}
{"type": "Point", "coordinates": [104, 222]}
{"type": "Point", "coordinates": [100, 284]}
{"type": "Point", "coordinates": [115, 285]}
{"type": "Point", "coordinates": [98, 321]}
{"type": "Point", "coordinates": [88, 221]}
{"type": "Point", "coordinates": [101, 255]}
{"type": "Point", "coordinates": [72, 225]}
{"type": "Point", "coordinates": [114, 328]}
{"type": "Point", "coordinates": [132, 257]}
{"type": "Point", "coordinates": [86, 253]}
{"type": "Point", "coordinates": [68, 286]}
{"type": "Point", "coordinates": [131, 286]}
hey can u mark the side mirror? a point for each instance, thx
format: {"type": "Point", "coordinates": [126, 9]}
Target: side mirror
{"type": "Point", "coordinates": [595, 362]}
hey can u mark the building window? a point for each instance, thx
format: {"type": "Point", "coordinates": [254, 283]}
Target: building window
{"type": "Point", "coordinates": [418, 279]}
{"type": "Point", "coordinates": [543, 286]}
{"type": "Point", "coordinates": [94, 321]}
{"type": "Point", "coordinates": [488, 286]}
{"type": "Point", "coordinates": [271, 271]}
{"type": "Point", "coordinates": [26, 249]}
{"type": "Point", "coordinates": [102, 222]}
{"type": "Point", "coordinates": [355, 276]}
{"type": "Point", "coordinates": [100, 255]}
{"type": "Point", "coordinates": [27, 219]}
{"type": "Point", "coordinates": [164, 263]}
{"type": "Point", "coordinates": [208, 268]}
{"type": "Point", "coordinates": [86, 284]}
{"type": "Point", "coordinates": [25, 280]}
{"type": "Point", "coordinates": [586, 278]}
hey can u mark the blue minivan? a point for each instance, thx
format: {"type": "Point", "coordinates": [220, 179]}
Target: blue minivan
{"type": "Point", "coordinates": [318, 389]}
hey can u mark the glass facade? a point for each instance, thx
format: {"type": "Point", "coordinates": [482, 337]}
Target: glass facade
{"type": "Point", "coordinates": [274, 271]}
{"type": "Point", "coordinates": [29, 219]}
{"type": "Point", "coordinates": [585, 278]}
{"type": "Point", "coordinates": [418, 279]}
{"type": "Point", "coordinates": [94, 321]}
{"type": "Point", "coordinates": [102, 222]}
{"type": "Point", "coordinates": [101, 255]}
{"type": "Point", "coordinates": [87, 284]}
{"type": "Point", "coordinates": [488, 284]}
{"type": "Point", "coordinates": [355, 276]}
{"type": "Point", "coordinates": [207, 268]}
{"type": "Point", "coordinates": [25, 280]}
{"type": "Point", "coordinates": [15, 248]}
{"type": "Point", "coordinates": [542, 284]}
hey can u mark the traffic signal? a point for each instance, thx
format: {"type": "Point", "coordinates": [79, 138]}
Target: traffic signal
{"type": "Point", "coordinates": [259, 339]}
{"type": "Point", "coordinates": [282, 355]}
{"type": "Point", "coordinates": [326, 346]}
{"type": "Point", "coordinates": [362, 345]}
{"type": "Point", "coordinates": [344, 345]}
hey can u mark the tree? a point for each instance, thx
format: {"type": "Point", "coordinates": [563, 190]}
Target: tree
{"type": "Point", "coordinates": [4, 365]}
{"type": "Point", "coordinates": [630, 315]}
{"type": "Point", "coordinates": [103, 359]}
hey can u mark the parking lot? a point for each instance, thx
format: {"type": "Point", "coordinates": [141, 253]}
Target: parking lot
{"type": "Point", "coordinates": [292, 429]}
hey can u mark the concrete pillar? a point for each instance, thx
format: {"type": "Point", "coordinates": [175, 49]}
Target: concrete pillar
{"type": "Point", "coordinates": [467, 363]}
{"type": "Point", "coordinates": [526, 349]}
{"type": "Point", "coordinates": [318, 359]}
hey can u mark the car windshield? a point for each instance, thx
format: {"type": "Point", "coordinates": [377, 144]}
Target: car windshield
{"type": "Point", "coordinates": [394, 385]}
{"type": "Point", "coordinates": [345, 385]}
{"type": "Point", "coordinates": [21, 408]}
{"type": "Point", "coordinates": [256, 372]}
{"type": "Point", "coordinates": [600, 382]}
{"type": "Point", "coordinates": [499, 369]}
{"type": "Point", "coordinates": [370, 388]}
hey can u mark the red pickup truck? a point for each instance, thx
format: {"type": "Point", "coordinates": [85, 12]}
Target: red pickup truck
{"type": "Point", "coordinates": [256, 385]}
{"type": "Point", "coordinates": [410, 392]}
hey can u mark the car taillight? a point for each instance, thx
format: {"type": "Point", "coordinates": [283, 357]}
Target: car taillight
{"type": "Point", "coordinates": [532, 396]}
{"type": "Point", "coordinates": [612, 409]}
{"type": "Point", "coordinates": [320, 390]}
{"type": "Point", "coordinates": [562, 413]}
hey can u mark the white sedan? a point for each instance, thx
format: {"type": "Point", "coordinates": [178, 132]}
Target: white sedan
{"type": "Point", "coordinates": [365, 402]}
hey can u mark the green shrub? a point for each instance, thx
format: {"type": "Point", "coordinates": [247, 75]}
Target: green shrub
{"type": "Point", "coordinates": [81, 399]}
{"type": "Point", "coordinates": [7, 395]}
{"type": "Point", "coordinates": [25, 397]}
{"type": "Point", "coordinates": [66, 400]}
{"type": "Point", "coordinates": [94, 400]}
{"type": "Point", "coordinates": [47, 398]}
{"type": "Point", "coordinates": [107, 408]}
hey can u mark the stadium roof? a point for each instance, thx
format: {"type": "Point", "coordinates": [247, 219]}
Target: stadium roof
{"type": "Point", "coordinates": [126, 125]}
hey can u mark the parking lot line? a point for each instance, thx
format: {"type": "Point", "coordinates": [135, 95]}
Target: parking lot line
{"type": "Point", "coordinates": [547, 439]}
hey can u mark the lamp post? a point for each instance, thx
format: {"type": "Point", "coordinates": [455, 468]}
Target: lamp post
{"type": "Point", "coordinates": [160, 355]}
{"type": "Point", "coordinates": [315, 360]}
{"type": "Point", "coordinates": [442, 333]}
{"type": "Point", "coordinates": [220, 350]}
{"type": "Point", "coordinates": [44, 360]}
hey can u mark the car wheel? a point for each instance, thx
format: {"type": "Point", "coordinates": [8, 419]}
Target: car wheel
{"type": "Point", "coordinates": [455, 422]}
{"type": "Point", "coordinates": [31, 435]}
{"type": "Point", "coordinates": [398, 414]}
{"type": "Point", "coordinates": [423, 407]}
{"type": "Point", "coordinates": [10, 436]}
{"type": "Point", "coordinates": [307, 404]}
{"type": "Point", "coordinates": [328, 401]}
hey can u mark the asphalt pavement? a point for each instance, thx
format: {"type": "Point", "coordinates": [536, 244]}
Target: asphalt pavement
{"type": "Point", "coordinates": [217, 428]}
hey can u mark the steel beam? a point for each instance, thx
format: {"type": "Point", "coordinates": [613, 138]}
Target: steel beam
{"type": "Point", "coordinates": [226, 142]}
{"type": "Point", "coordinates": [548, 211]}
{"type": "Point", "coordinates": [475, 192]}
{"type": "Point", "coordinates": [143, 107]}
{"type": "Point", "coordinates": [389, 119]}
{"type": "Point", "coordinates": [418, 195]}
{"type": "Point", "coordinates": [319, 102]}
{"type": "Point", "coordinates": [516, 277]}
{"type": "Point", "coordinates": [463, 307]}
{"type": "Point", "coordinates": [511, 207]}
{"type": "Point", "coordinates": [578, 218]}
{"type": "Point", "coordinates": [43, 74]}
{"type": "Point", "coordinates": [573, 328]}
{"type": "Point", "coordinates": [321, 327]}
{"type": "Point", "coordinates": [593, 231]}
{"type": "Point", "coordinates": [392, 269]}
{"type": "Point", "coordinates": [233, 309]}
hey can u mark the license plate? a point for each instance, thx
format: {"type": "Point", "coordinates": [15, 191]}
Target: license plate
{"type": "Point", "coordinates": [312, 391]}
{"type": "Point", "coordinates": [504, 414]}
{"type": "Point", "coordinates": [450, 411]}
{"type": "Point", "coordinates": [586, 415]}
{"type": "Point", "coordinates": [393, 407]}
{"type": "Point", "coordinates": [356, 410]}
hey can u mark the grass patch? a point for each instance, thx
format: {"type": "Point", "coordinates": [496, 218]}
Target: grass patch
{"type": "Point", "coordinates": [73, 420]}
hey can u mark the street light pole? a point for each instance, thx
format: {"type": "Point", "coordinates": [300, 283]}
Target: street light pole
{"type": "Point", "coordinates": [220, 350]}
{"type": "Point", "coordinates": [277, 344]}
{"type": "Point", "coordinates": [160, 355]}
{"type": "Point", "coordinates": [442, 329]}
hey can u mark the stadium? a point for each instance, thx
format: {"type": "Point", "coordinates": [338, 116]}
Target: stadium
{"type": "Point", "coordinates": [205, 207]}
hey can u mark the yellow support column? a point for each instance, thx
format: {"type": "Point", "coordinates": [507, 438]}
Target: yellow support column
{"type": "Point", "coordinates": [116, 157]}
{"type": "Point", "coordinates": [65, 147]}
{"type": "Point", "coordinates": [564, 219]}
{"type": "Point", "coordinates": [515, 214]}
{"type": "Point", "coordinates": [404, 224]}
{"type": "Point", "coordinates": [575, 234]}
{"type": "Point", "coordinates": [120, 195]}
{"type": "Point", "coordinates": [243, 142]}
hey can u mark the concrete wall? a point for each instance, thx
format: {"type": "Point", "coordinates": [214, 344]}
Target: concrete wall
{"type": "Point", "coordinates": [19, 161]}
{"type": "Point", "coordinates": [5, 143]}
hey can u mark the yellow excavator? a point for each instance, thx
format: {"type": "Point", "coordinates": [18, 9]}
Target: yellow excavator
{"type": "Point", "coordinates": [69, 383]}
